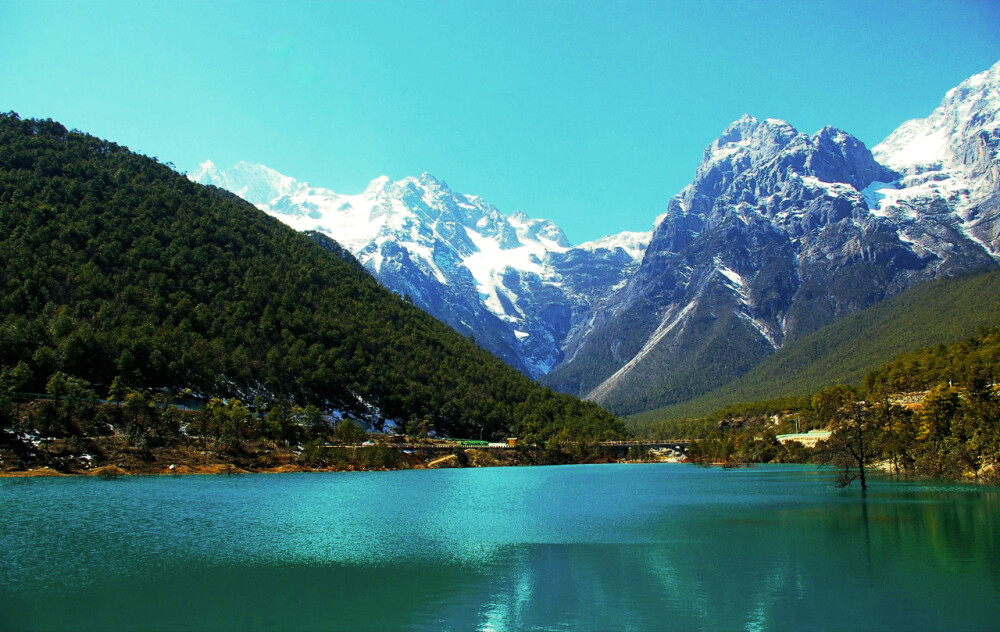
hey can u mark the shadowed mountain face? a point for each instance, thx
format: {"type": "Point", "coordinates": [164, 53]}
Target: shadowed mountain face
{"type": "Point", "coordinates": [781, 233]}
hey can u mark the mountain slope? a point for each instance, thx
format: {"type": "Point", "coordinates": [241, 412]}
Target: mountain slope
{"type": "Point", "coordinates": [770, 241]}
{"type": "Point", "coordinates": [950, 163]}
{"type": "Point", "coordinates": [931, 313]}
{"type": "Point", "coordinates": [116, 266]}
{"type": "Point", "coordinates": [781, 233]}
{"type": "Point", "coordinates": [513, 282]}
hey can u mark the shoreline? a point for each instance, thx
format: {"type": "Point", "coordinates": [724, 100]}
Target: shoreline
{"type": "Point", "coordinates": [114, 455]}
{"type": "Point", "coordinates": [217, 469]}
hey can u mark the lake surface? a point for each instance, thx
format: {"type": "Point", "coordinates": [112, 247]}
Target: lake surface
{"type": "Point", "coordinates": [603, 547]}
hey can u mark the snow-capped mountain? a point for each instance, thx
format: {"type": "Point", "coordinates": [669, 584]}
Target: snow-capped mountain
{"type": "Point", "coordinates": [950, 189]}
{"type": "Point", "coordinates": [254, 183]}
{"type": "Point", "coordinates": [778, 234]}
{"type": "Point", "coordinates": [514, 283]}
{"type": "Point", "coordinates": [781, 233]}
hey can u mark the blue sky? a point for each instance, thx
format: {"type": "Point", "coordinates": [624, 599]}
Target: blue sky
{"type": "Point", "coordinates": [591, 114]}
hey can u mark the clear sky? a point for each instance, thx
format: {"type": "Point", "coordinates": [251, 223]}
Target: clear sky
{"type": "Point", "coordinates": [591, 114]}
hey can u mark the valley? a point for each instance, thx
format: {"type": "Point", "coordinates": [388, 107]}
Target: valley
{"type": "Point", "coordinates": [499, 316]}
{"type": "Point", "coordinates": [768, 277]}
{"type": "Point", "coordinates": [779, 234]}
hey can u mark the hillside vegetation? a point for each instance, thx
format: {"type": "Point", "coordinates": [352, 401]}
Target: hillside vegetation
{"type": "Point", "coordinates": [934, 412]}
{"type": "Point", "coordinates": [117, 269]}
{"type": "Point", "coordinates": [843, 352]}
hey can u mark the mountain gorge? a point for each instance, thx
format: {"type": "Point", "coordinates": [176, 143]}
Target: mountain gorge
{"type": "Point", "coordinates": [514, 283]}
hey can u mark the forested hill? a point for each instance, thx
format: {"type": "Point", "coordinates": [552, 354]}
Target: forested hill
{"type": "Point", "coordinates": [930, 412]}
{"type": "Point", "coordinates": [116, 266]}
{"type": "Point", "coordinates": [970, 363]}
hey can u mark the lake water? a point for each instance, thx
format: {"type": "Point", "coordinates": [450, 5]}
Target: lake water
{"type": "Point", "coordinates": [604, 547]}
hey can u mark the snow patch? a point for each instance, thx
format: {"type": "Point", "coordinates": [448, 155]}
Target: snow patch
{"type": "Point", "coordinates": [760, 326]}
{"type": "Point", "coordinates": [966, 229]}
{"type": "Point", "coordinates": [874, 193]}
{"type": "Point", "coordinates": [733, 277]}
{"type": "Point", "coordinates": [633, 243]}
{"type": "Point", "coordinates": [915, 143]}
{"type": "Point", "coordinates": [913, 191]}
{"type": "Point", "coordinates": [489, 262]}
{"type": "Point", "coordinates": [837, 189]}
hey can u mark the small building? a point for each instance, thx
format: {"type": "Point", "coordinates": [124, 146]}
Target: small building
{"type": "Point", "coordinates": [512, 442]}
{"type": "Point", "coordinates": [807, 439]}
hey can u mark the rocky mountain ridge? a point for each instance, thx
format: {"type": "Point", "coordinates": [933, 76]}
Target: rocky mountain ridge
{"type": "Point", "coordinates": [781, 233]}
{"type": "Point", "coordinates": [949, 189]}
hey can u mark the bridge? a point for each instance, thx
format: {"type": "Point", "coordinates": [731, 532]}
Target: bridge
{"type": "Point", "coordinates": [674, 444]}
{"type": "Point", "coordinates": [678, 445]}
{"type": "Point", "coordinates": [623, 447]}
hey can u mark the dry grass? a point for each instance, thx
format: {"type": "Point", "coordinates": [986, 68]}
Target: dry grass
{"type": "Point", "coordinates": [38, 472]}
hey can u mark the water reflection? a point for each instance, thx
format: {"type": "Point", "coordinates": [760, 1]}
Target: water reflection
{"type": "Point", "coordinates": [574, 548]}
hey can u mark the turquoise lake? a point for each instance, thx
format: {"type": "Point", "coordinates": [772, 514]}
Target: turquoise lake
{"type": "Point", "coordinates": [602, 547]}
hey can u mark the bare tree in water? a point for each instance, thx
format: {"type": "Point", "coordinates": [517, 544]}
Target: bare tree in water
{"type": "Point", "coordinates": [850, 447]}
{"type": "Point", "coordinates": [851, 444]}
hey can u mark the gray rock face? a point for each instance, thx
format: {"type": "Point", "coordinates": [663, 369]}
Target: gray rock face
{"type": "Point", "coordinates": [781, 233]}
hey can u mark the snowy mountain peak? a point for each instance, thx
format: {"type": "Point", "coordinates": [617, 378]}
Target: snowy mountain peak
{"type": "Point", "coordinates": [954, 133]}
{"type": "Point", "coordinates": [834, 156]}
{"type": "Point", "coordinates": [737, 134]}
{"type": "Point", "coordinates": [835, 135]}
{"type": "Point", "coordinates": [378, 184]}
{"type": "Point", "coordinates": [632, 242]}
{"type": "Point", "coordinates": [950, 166]}
{"type": "Point", "coordinates": [455, 255]}
{"type": "Point", "coordinates": [768, 171]}
{"type": "Point", "coordinates": [255, 183]}
{"type": "Point", "coordinates": [739, 130]}
{"type": "Point", "coordinates": [206, 173]}
{"type": "Point", "coordinates": [749, 139]}
{"type": "Point", "coordinates": [780, 233]}
{"type": "Point", "coordinates": [979, 85]}
{"type": "Point", "coordinates": [429, 180]}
